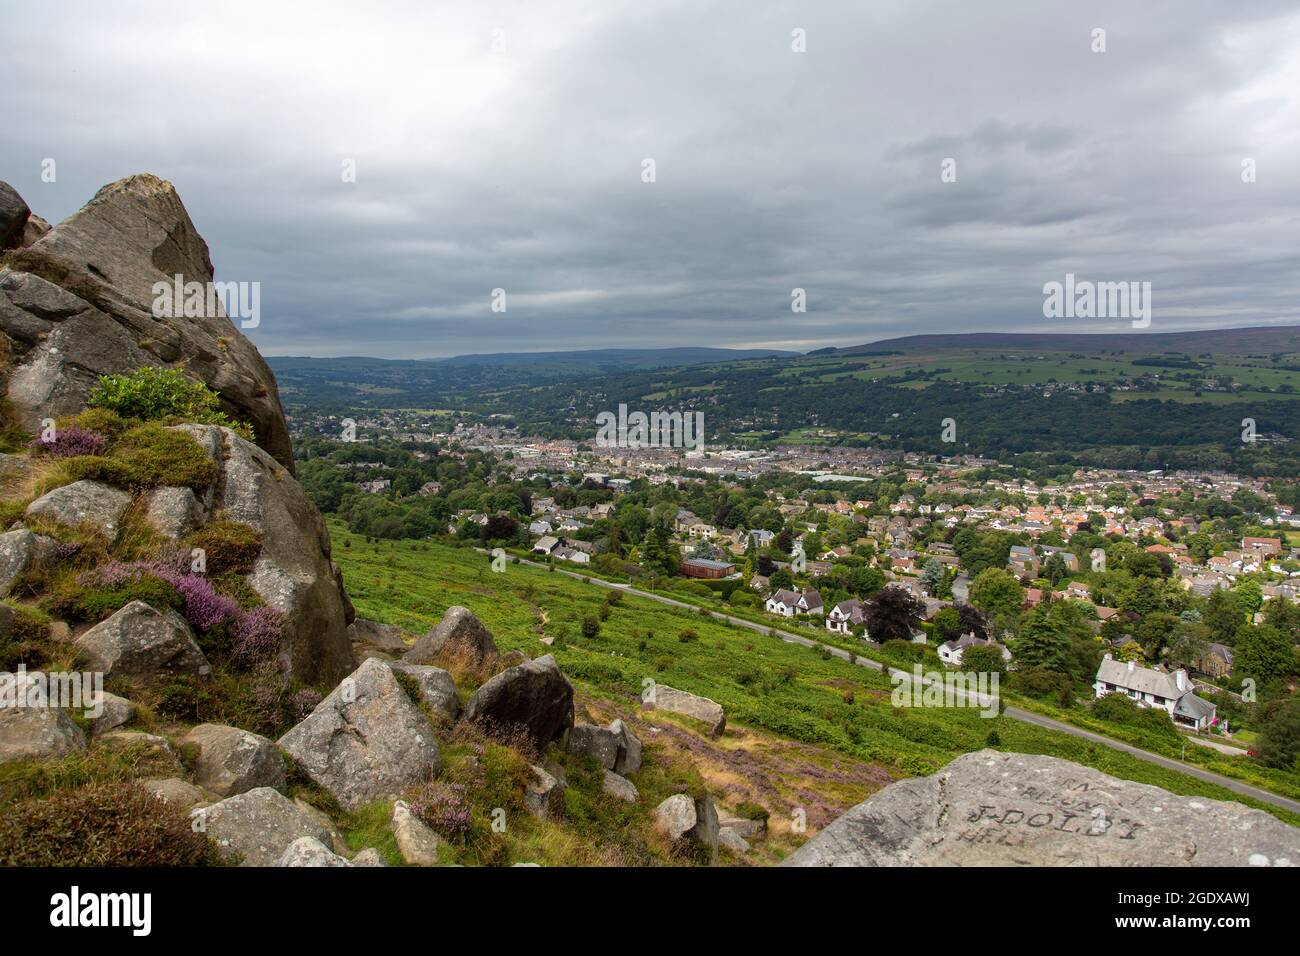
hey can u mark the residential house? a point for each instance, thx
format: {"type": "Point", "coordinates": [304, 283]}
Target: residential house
{"type": "Point", "coordinates": [1172, 693]}
{"type": "Point", "coordinates": [845, 616]}
{"type": "Point", "coordinates": [1215, 662]}
{"type": "Point", "coordinates": [951, 652]}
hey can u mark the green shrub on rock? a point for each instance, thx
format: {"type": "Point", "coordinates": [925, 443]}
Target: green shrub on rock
{"type": "Point", "coordinates": [231, 547]}
{"type": "Point", "coordinates": [162, 395]}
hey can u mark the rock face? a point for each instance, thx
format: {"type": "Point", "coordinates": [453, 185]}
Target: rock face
{"type": "Point", "coordinates": [682, 817]}
{"type": "Point", "coordinates": [233, 761]}
{"type": "Point", "coordinates": [595, 743]}
{"type": "Point", "coordinates": [19, 550]}
{"type": "Point", "coordinates": [437, 688]}
{"type": "Point", "coordinates": [620, 787]}
{"type": "Point", "coordinates": [534, 696]}
{"type": "Point", "coordinates": [34, 732]}
{"type": "Point", "coordinates": [114, 712]}
{"type": "Point", "coordinates": [293, 573]}
{"type": "Point", "coordinates": [366, 740]}
{"type": "Point", "coordinates": [415, 841]}
{"type": "Point", "coordinates": [259, 824]}
{"type": "Point", "coordinates": [1002, 809]}
{"type": "Point", "coordinates": [173, 511]}
{"type": "Point", "coordinates": [614, 747]}
{"type": "Point", "coordinates": [83, 502]}
{"type": "Point", "coordinates": [175, 790]}
{"type": "Point", "coordinates": [13, 216]}
{"type": "Point", "coordinates": [743, 827]}
{"type": "Point", "coordinates": [732, 840]}
{"type": "Point", "coordinates": [79, 302]}
{"type": "Point", "coordinates": [143, 643]}
{"type": "Point", "coordinates": [680, 702]}
{"type": "Point", "coordinates": [545, 795]}
{"type": "Point", "coordinates": [460, 636]}
{"type": "Point", "coordinates": [308, 851]}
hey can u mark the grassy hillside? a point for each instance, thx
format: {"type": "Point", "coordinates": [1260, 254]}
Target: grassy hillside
{"type": "Point", "coordinates": [839, 717]}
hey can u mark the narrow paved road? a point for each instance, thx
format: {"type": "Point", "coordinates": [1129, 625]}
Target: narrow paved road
{"type": "Point", "coordinates": [1017, 713]}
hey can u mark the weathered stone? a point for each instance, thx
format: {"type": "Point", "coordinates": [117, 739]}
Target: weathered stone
{"type": "Point", "coordinates": [114, 712]}
{"type": "Point", "coordinates": [743, 826]}
{"type": "Point", "coordinates": [366, 740]}
{"type": "Point", "coordinates": [614, 747]}
{"type": "Point", "coordinates": [35, 228]}
{"type": "Point", "coordinates": [690, 705]}
{"type": "Point", "coordinates": [675, 816]}
{"type": "Point", "coordinates": [437, 688]}
{"type": "Point", "coordinates": [83, 502]}
{"type": "Point", "coordinates": [231, 760]}
{"type": "Point", "coordinates": [13, 216]}
{"type": "Point", "coordinates": [596, 743]}
{"type": "Point", "coordinates": [458, 637]}
{"type": "Point", "coordinates": [1007, 809]}
{"type": "Point", "coordinates": [337, 841]}
{"type": "Point", "coordinates": [369, 857]}
{"type": "Point", "coordinates": [20, 550]}
{"type": "Point", "coordinates": [173, 511]}
{"type": "Point", "coordinates": [259, 824]}
{"type": "Point", "coordinates": [133, 234]}
{"type": "Point", "coordinates": [293, 572]}
{"type": "Point", "coordinates": [176, 791]}
{"type": "Point", "coordinates": [732, 840]}
{"type": "Point", "coordinates": [33, 731]}
{"type": "Point", "coordinates": [691, 818]}
{"type": "Point", "coordinates": [371, 635]}
{"type": "Point", "coordinates": [308, 851]}
{"type": "Point", "coordinates": [415, 841]}
{"type": "Point", "coordinates": [706, 826]}
{"type": "Point", "coordinates": [545, 795]}
{"type": "Point", "coordinates": [619, 787]}
{"type": "Point", "coordinates": [629, 749]}
{"type": "Point", "coordinates": [534, 696]}
{"type": "Point", "coordinates": [142, 643]}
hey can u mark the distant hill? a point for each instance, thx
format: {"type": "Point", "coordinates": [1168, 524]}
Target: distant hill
{"type": "Point", "coordinates": [606, 360]}
{"type": "Point", "coordinates": [613, 359]}
{"type": "Point", "coordinates": [1258, 339]}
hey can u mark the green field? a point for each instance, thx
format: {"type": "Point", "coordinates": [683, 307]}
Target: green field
{"type": "Point", "coordinates": [762, 682]}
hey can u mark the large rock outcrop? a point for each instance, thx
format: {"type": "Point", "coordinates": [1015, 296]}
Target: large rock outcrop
{"type": "Point", "coordinates": [258, 825]}
{"type": "Point", "coordinates": [232, 761]}
{"type": "Point", "coordinates": [13, 217]}
{"type": "Point", "coordinates": [29, 729]}
{"type": "Point", "coordinates": [459, 638]}
{"type": "Point", "coordinates": [690, 705]}
{"type": "Point", "coordinates": [533, 697]}
{"type": "Point", "coordinates": [293, 573]}
{"type": "Point", "coordinates": [142, 643]}
{"type": "Point", "coordinates": [367, 740]}
{"type": "Point", "coordinates": [1005, 809]}
{"type": "Point", "coordinates": [78, 302]}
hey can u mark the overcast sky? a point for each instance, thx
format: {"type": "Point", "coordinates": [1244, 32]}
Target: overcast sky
{"type": "Point", "coordinates": [521, 168]}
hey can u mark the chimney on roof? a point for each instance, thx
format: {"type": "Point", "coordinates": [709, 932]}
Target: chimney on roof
{"type": "Point", "coordinates": [1131, 665]}
{"type": "Point", "coordinates": [1180, 678]}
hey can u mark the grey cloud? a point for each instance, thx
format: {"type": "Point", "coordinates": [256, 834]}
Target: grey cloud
{"type": "Point", "coordinates": [776, 170]}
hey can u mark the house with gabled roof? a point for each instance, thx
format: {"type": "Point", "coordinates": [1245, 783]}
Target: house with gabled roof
{"type": "Point", "coordinates": [1171, 692]}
